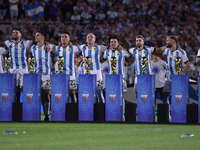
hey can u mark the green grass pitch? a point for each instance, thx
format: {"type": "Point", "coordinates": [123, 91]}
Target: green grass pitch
{"type": "Point", "coordinates": [93, 136]}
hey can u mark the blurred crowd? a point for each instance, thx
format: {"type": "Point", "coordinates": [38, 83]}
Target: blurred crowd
{"type": "Point", "coordinates": [154, 19]}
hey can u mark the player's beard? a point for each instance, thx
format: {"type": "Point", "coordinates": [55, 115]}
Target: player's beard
{"type": "Point", "coordinates": [139, 46]}
{"type": "Point", "coordinates": [15, 38]}
{"type": "Point", "coordinates": [169, 45]}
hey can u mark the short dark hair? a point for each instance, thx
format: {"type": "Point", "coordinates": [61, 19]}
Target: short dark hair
{"type": "Point", "coordinates": [140, 36]}
{"type": "Point", "coordinates": [42, 32]}
{"type": "Point", "coordinates": [173, 37]}
{"type": "Point", "coordinates": [114, 37]}
{"type": "Point", "coordinates": [66, 33]}
{"type": "Point", "coordinates": [18, 29]}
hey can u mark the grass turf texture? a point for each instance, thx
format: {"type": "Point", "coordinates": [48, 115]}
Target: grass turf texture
{"type": "Point", "coordinates": [84, 136]}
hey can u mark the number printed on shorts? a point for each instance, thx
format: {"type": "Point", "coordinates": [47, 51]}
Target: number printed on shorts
{"type": "Point", "coordinates": [48, 82]}
{"type": "Point", "coordinates": [99, 83]}
{"type": "Point", "coordinates": [72, 82]}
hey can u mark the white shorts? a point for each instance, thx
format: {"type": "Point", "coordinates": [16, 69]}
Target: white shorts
{"type": "Point", "coordinates": [46, 82]}
{"type": "Point", "coordinates": [135, 85]}
{"type": "Point", "coordinates": [167, 86]}
{"type": "Point", "coordinates": [19, 77]}
{"type": "Point", "coordinates": [73, 84]}
{"type": "Point", "coordinates": [124, 86]}
{"type": "Point", "coordinates": [99, 84]}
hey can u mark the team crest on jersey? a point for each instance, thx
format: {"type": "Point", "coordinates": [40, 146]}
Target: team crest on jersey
{"type": "Point", "coordinates": [118, 54]}
{"type": "Point", "coordinates": [140, 52]}
{"type": "Point", "coordinates": [58, 96]}
{"type": "Point", "coordinates": [89, 48]}
{"type": "Point", "coordinates": [178, 97]}
{"type": "Point", "coordinates": [144, 97]}
{"type": "Point", "coordinates": [175, 57]}
{"type": "Point", "coordinates": [95, 49]}
{"type": "Point", "coordinates": [29, 96]}
{"type": "Point", "coordinates": [171, 55]}
{"type": "Point", "coordinates": [69, 49]}
{"type": "Point", "coordinates": [145, 52]}
{"type": "Point", "coordinates": [85, 96]}
{"type": "Point", "coordinates": [21, 46]}
{"type": "Point", "coordinates": [4, 95]}
{"type": "Point", "coordinates": [16, 46]}
{"type": "Point", "coordinates": [40, 48]}
{"type": "Point", "coordinates": [64, 49]}
{"type": "Point", "coordinates": [113, 54]}
{"type": "Point", "coordinates": [112, 97]}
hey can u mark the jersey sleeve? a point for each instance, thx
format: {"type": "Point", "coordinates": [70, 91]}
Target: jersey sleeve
{"type": "Point", "coordinates": [104, 55]}
{"type": "Point", "coordinates": [103, 48]}
{"type": "Point", "coordinates": [165, 52]}
{"type": "Point", "coordinates": [126, 53]}
{"type": "Point", "coordinates": [3, 51]}
{"type": "Point", "coordinates": [28, 43]}
{"type": "Point", "coordinates": [76, 50]}
{"type": "Point", "coordinates": [198, 54]}
{"type": "Point", "coordinates": [53, 49]}
{"type": "Point", "coordinates": [184, 57]}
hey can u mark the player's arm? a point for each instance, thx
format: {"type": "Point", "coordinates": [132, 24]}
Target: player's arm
{"type": "Point", "coordinates": [187, 67]}
{"type": "Point", "coordinates": [103, 57]}
{"type": "Point", "coordinates": [160, 49]}
{"type": "Point", "coordinates": [198, 60]}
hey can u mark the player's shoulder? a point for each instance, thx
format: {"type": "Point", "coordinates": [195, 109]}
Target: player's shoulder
{"type": "Point", "coordinates": [181, 51]}
{"type": "Point", "coordinates": [148, 47]}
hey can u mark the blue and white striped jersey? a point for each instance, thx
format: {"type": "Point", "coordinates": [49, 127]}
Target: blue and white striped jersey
{"type": "Point", "coordinates": [171, 60]}
{"type": "Point", "coordinates": [69, 54]}
{"type": "Point", "coordinates": [94, 53]}
{"type": "Point", "coordinates": [18, 53]}
{"type": "Point", "coordinates": [120, 56]}
{"type": "Point", "coordinates": [138, 54]}
{"type": "Point", "coordinates": [3, 51]}
{"type": "Point", "coordinates": [42, 58]}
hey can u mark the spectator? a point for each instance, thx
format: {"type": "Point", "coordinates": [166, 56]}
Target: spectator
{"type": "Point", "coordinates": [13, 8]}
{"type": "Point", "coordinates": [3, 8]}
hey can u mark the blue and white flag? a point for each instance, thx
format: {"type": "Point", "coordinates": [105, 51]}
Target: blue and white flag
{"type": "Point", "coordinates": [32, 10]}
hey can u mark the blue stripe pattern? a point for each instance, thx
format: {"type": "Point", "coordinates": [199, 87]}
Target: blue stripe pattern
{"type": "Point", "coordinates": [90, 55]}
{"type": "Point", "coordinates": [40, 58]}
{"type": "Point", "coordinates": [16, 56]}
{"type": "Point", "coordinates": [11, 63]}
{"type": "Point", "coordinates": [46, 62]}
{"type": "Point", "coordinates": [71, 61]}
{"type": "Point", "coordinates": [23, 56]}
{"type": "Point", "coordinates": [167, 76]}
{"type": "Point", "coordinates": [34, 48]}
{"type": "Point", "coordinates": [107, 54]}
{"type": "Point", "coordinates": [134, 53]}
{"type": "Point", "coordinates": [170, 62]}
{"type": "Point", "coordinates": [119, 63]}
{"type": "Point", "coordinates": [64, 65]}
{"type": "Point", "coordinates": [97, 58]}
{"type": "Point", "coordinates": [140, 65]}
{"type": "Point", "coordinates": [146, 55]}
